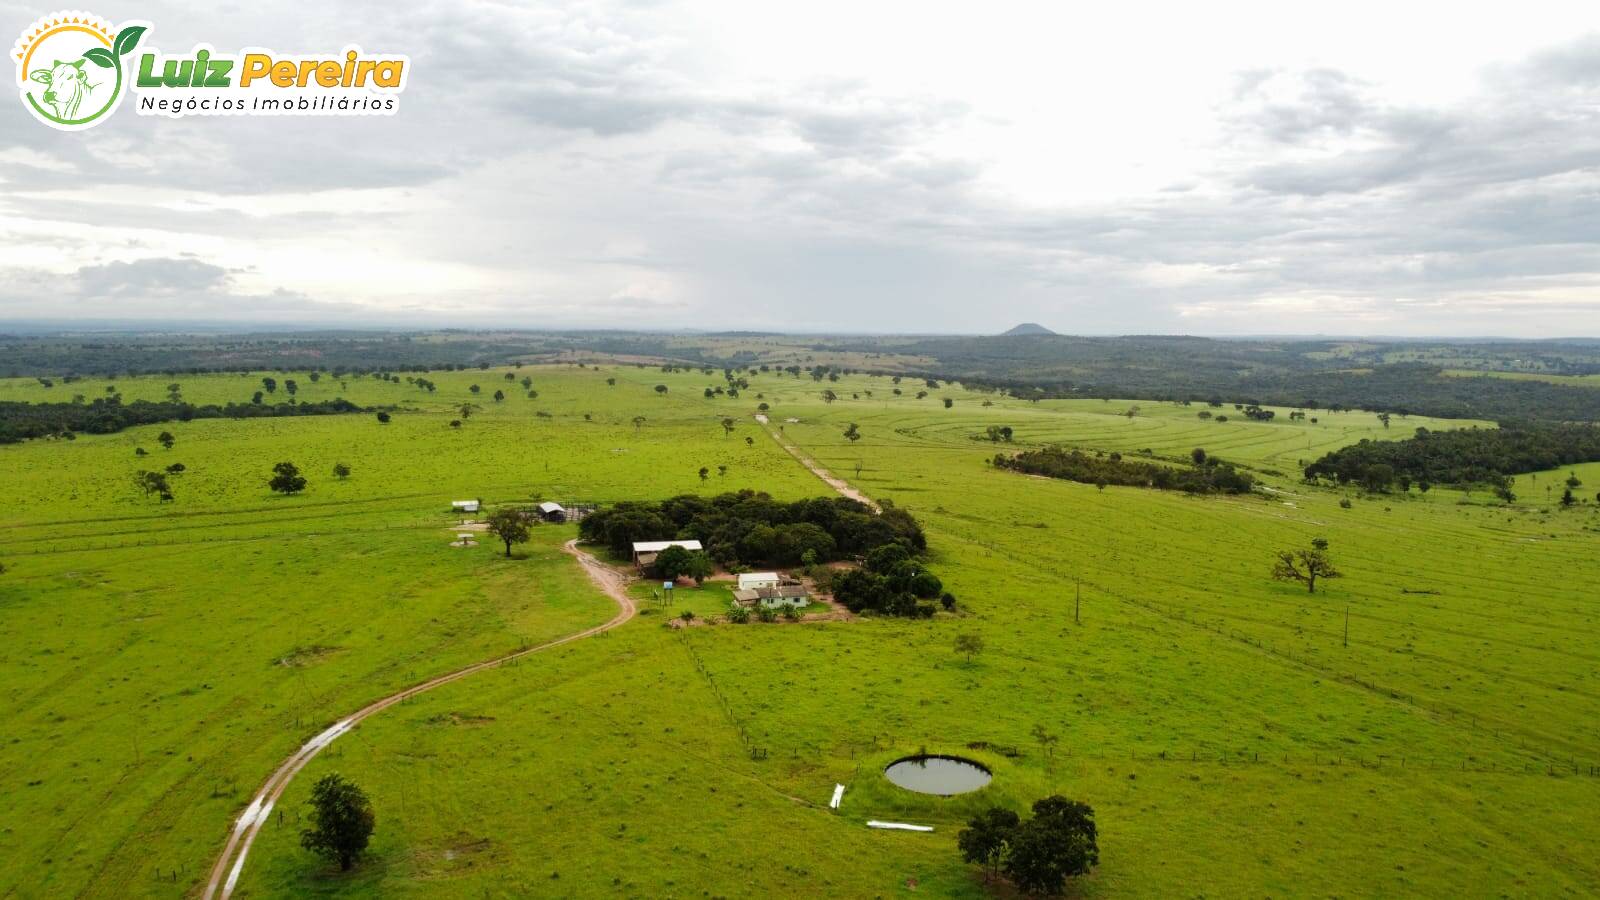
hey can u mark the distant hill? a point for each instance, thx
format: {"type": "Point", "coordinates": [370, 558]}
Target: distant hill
{"type": "Point", "coordinates": [1027, 328]}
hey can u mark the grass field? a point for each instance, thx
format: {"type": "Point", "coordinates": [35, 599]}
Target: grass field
{"type": "Point", "coordinates": [159, 661]}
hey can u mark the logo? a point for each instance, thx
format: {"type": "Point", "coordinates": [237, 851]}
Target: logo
{"type": "Point", "coordinates": [74, 68]}
{"type": "Point", "coordinates": [71, 67]}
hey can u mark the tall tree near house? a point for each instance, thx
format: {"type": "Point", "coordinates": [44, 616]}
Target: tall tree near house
{"type": "Point", "coordinates": [1305, 566]}
{"type": "Point", "coordinates": [511, 526]}
{"type": "Point", "coordinates": [341, 821]}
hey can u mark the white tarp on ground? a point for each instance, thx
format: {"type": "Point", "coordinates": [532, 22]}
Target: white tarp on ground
{"type": "Point", "coordinates": [898, 826]}
{"type": "Point", "coordinates": [838, 795]}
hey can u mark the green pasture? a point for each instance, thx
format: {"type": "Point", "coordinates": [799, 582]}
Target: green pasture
{"type": "Point", "coordinates": [159, 660]}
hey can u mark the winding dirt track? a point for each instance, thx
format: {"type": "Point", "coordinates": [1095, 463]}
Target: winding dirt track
{"type": "Point", "coordinates": [225, 874]}
{"type": "Point", "coordinates": [843, 487]}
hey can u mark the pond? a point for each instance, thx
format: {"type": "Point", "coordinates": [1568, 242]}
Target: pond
{"type": "Point", "coordinates": [942, 775]}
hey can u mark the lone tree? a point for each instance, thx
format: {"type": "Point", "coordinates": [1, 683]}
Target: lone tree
{"type": "Point", "coordinates": [383, 418]}
{"type": "Point", "coordinates": [166, 439]}
{"type": "Point", "coordinates": [987, 839]}
{"type": "Point", "coordinates": [154, 483]}
{"type": "Point", "coordinates": [969, 645]}
{"type": "Point", "coordinates": [852, 433]}
{"type": "Point", "coordinates": [661, 389]}
{"type": "Point", "coordinates": [704, 472]}
{"type": "Point", "coordinates": [341, 471]}
{"type": "Point", "coordinates": [1058, 843]}
{"type": "Point", "coordinates": [342, 821]}
{"type": "Point", "coordinates": [286, 479]}
{"type": "Point", "coordinates": [637, 421]}
{"type": "Point", "coordinates": [1305, 566]}
{"type": "Point", "coordinates": [510, 526]}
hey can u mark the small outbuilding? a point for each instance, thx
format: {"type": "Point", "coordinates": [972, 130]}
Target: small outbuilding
{"type": "Point", "coordinates": [750, 581]}
{"type": "Point", "coordinates": [464, 506]}
{"type": "Point", "coordinates": [644, 552]}
{"type": "Point", "coordinates": [552, 512]}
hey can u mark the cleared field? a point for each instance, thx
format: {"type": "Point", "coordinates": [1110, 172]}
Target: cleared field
{"type": "Point", "coordinates": [1585, 380]}
{"type": "Point", "coordinates": [1228, 738]}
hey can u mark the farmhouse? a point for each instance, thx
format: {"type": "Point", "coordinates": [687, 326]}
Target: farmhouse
{"type": "Point", "coordinates": [750, 581]}
{"type": "Point", "coordinates": [470, 506]}
{"type": "Point", "coordinates": [552, 512]}
{"type": "Point", "coordinates": [776, 596]}
{"type": "Point", "coordinates": [644, 552]}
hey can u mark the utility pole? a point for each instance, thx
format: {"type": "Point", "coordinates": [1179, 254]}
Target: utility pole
{"type": "Point", "coordinates": [1347, 624]}
{"type": "Point", "coordinates": [1077, 600]}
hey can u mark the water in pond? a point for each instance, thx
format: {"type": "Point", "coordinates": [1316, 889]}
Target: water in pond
{"type": "Point", "coordinates": [942, 775]}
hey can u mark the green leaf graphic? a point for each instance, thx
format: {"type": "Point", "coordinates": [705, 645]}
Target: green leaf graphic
{"type": "Point", "coordinates": [128, 38]}
{"type": "Point", "coordinates": [100, 56]}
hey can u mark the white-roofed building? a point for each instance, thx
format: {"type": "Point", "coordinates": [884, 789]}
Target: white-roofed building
{"type": "Point", "coordinates": [751, 581]}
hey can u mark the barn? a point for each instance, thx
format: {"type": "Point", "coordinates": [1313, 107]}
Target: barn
{"type": "Point", "coordinates": [644, 552]}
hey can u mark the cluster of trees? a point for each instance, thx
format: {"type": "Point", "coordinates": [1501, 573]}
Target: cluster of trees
{"type": "Point", "coordinates": [1208, 475]}
{"type": "Point", "coordinates": [1465, 456]}
{"type": "Point", "coordinates": [1058, 842]}
{"type": "Point", "coordinates": [20, 421]}
{"type": "Point", "coordinates": [752, 529]}
{"type": "Point", "coordinates": [891, 581]}
{"type": "Point", "coordinates": [1305, 374]}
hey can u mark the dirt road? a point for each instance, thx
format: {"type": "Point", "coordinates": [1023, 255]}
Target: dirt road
{"type": "Point", "coordinates": [225, 874]}
{"type": "Point", "coordinates": [838, 484]}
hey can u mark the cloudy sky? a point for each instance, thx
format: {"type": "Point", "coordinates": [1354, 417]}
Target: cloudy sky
{"type": "Point", "coordinates": [1209, 168]}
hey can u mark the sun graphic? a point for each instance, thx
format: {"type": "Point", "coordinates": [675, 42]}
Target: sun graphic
{"type": "Point", "coordinates": [47, 28]}
{"type": "Point", "coordinates": [69, 67]}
